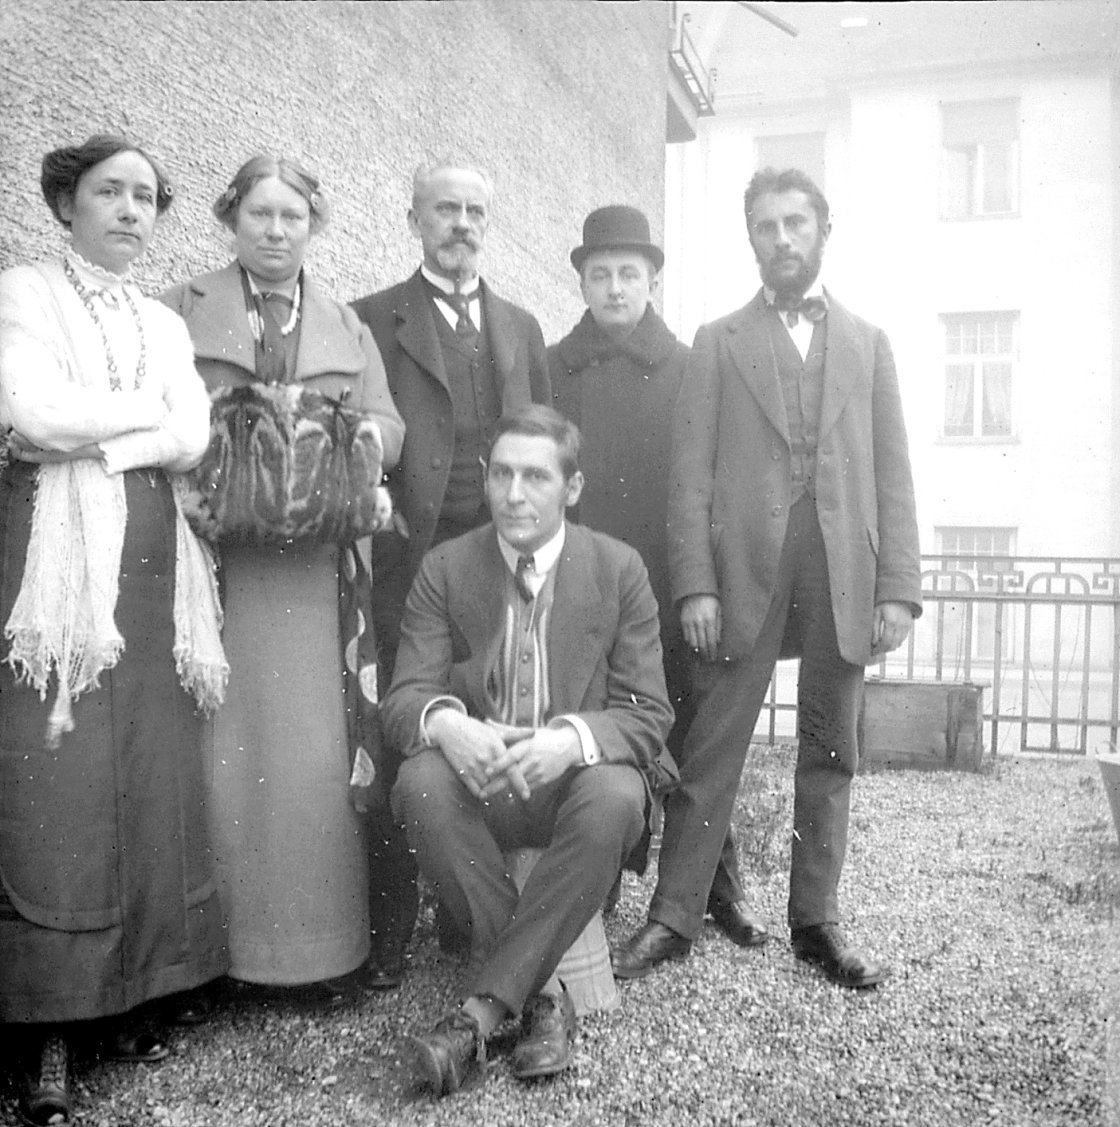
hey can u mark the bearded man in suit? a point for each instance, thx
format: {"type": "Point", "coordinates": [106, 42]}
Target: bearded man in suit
{"type": "Point", "coordinates": [456, 356]}
{"type": "Point", "coordinates": [792, 532]}
{"type": "Point", "coordinates": [529, 702]}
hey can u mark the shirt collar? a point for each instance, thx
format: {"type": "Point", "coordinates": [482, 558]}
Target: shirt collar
{"type": "Point", "coordinates": [445, 284]}
{"type": "Point", "coordinates": [544, 558]}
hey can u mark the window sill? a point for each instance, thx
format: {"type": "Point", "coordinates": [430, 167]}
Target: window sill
{"type": "Point", "coordinates": [980, 218]}
{"type": "Point", "coordinates": [977, 440]}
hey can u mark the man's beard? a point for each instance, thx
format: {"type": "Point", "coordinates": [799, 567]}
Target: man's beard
{"type": "Point", "coordinates": [806, 275]}
{"type": "Point", "coordinates": [459, 257]}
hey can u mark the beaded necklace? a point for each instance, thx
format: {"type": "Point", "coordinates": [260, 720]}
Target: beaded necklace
{"type": "Point", "coordinates": [87, 295]}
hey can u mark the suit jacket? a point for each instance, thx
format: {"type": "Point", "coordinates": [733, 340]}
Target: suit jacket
{"type": "Point", "coordinates": [336, 353]}
{"type": "Point", "coordinates": [604, 654]}
{"type": "Point", "coordinates": [401, 320]}
{"type": "Point", "coordinates": [730, 495]}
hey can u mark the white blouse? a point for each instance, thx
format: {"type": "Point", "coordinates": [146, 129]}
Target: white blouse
{"type": "Point", "coordinates": [54, 369]}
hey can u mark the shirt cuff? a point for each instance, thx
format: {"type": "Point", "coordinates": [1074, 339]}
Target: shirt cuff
{"type": "Point", "coordinates": [438, 702]}
{"type": "Point", "coordinates": [587, 742]}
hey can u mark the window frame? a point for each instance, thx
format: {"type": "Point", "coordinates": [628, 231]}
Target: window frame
{"type": "Point", "coordinates": [982, 394]}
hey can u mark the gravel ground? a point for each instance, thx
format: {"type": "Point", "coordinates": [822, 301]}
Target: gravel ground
{"type": "Point", "coordinates": [993, 897]}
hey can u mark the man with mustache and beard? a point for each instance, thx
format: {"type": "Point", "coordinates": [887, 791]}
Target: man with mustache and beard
{"type": "Point", "coordinates": [792, 532]}
{"type": "Point", "coordinates": [457, 356]}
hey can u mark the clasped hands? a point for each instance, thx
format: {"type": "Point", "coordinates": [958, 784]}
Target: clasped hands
{"type": "Point", "coordinates": [492, 759]}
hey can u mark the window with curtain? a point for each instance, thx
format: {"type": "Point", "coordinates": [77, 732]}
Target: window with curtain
{"type": "Point", "coordinates": [979, 365]}
{"type": "Point", "coordinates": [980, 158]}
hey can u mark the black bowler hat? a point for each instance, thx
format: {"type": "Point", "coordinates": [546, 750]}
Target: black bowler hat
{"type": "Point", "coordinates": [617, 227]}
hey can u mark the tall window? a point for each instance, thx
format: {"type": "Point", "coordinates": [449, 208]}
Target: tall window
{"type": "Point", "coordinates": [987, 552]}
{"type": "Point", "coordinates": [793, 150]}
{"type": "Point", "coordinates": [980, 158]}
{"type": "Point", "coordinates": [979, 365]}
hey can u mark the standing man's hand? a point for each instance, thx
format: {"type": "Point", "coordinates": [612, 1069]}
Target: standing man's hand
{"type": "Point", "coordinates": [702, 624]}
{"type": "Point", "coordinates": [890, 627]}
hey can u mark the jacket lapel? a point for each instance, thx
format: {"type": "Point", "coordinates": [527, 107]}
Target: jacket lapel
{"type": "Point", "coordinates": [498, 326]}
{"type": "Point", "coordinates": [748, 344]}
{"type": "Point", "coordinates": [323, 348]}
{"type": "Point", "coordinates": [480, 610]}
{"type": "Point", "coordinates": [843, 365]}
{"type": "Point", "coordinates": [574, 635]}
{"type": "Point", "coordinates": [416, 331]}
{"type": "Point", "coordinates": [219, 330]}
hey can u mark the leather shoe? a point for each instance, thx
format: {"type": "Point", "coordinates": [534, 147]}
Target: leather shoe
{"type": "Point", "coordinates": [825, 945]}
{"type": "Point", "coordinates": [548, 1028]}
{"type": "Point", "coordinates": [134, 1046]}
{"type": "Point", "coordinates": [738, 923]}
{"type": "Point", "coordinates": [446, 1057]}
{"type": "Point", "coordinates": [45, 1098]}
{"type": "Point", "coordinates": [651, 944]}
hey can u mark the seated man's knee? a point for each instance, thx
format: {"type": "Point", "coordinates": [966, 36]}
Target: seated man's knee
{"type": "Point", "coordinates": [613, 802]}
{"type": "Point", "coordinates": [424, 781]}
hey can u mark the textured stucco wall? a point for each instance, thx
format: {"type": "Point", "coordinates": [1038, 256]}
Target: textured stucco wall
{"type": "Point", "coordinates": [563, 101]}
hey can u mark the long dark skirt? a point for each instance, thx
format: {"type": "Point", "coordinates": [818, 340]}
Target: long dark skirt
{"type": "Point", "coordinates": [107, 897]}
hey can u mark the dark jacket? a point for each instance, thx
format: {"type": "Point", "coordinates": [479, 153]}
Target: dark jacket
{"type": "Point", "coordinates": [621, 397]}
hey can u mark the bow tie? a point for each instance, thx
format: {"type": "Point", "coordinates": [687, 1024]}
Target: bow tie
{"type": "Point", "coordinates": [813, 309]}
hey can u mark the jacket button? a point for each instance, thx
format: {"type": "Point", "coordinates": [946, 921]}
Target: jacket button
{"type": "Point", "coordinates": [776, 456]}
{"type": "Point", "coordinates": [776, 511]}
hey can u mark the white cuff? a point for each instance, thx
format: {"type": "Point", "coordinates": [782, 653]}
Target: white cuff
{"type": "Point", "coordinates": [442, 702]}
{"type": "Point", "coordinates": [587, 742]}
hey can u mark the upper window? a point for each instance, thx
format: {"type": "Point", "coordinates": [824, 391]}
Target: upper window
{"type": "Point", "coordinates": [980, 158]}
{"type": "Point", "coordinates": [979, 366]}
{"type": "Point", "coordinates": [793, 150]}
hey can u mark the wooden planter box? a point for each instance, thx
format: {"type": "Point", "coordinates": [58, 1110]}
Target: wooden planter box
{"type": "Point", "coordinates": [926, 724]}
{"type": "Point", "coordinates": [1108, 760]}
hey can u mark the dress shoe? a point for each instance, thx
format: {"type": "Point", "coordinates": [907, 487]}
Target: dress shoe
{"type": "Point", "coordinates": [192, 1007]}
{"type": "Point", "coordinates": [825, 945]}
{"type": "Point", "coordinates": [445, 1058]}
{"type": "Point", "coordinates": [738, 923]}
{"type": "Point", "coordinates": [45, 1098]}
{"type": "Point", "coordinates": [651, 944]}
{"type": "Point", "coordinates": [548, 1028]}
{"type": "Point", "coordinates": [133, 1046]}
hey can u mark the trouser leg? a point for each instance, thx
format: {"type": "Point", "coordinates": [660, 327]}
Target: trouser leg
{"type": "Point", "coordinates": [596, 818]}
{"type": "Point", "coordinates": [698, 812]}
{"type": "Point", "coordinates": [829, 692]}
{"type": "Point", "coordinates": [455, 848]}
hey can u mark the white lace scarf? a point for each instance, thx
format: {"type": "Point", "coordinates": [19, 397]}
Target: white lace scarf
{"type": "Point", "coordinates": [63, 618]}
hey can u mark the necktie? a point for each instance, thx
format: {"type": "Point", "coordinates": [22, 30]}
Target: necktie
{"type": "Point", "coordinates": [813, 309]}
{"type": "Point", "coordinates": [524, 565]}
{"type": "Point", "coordinates": [273, 362]}
{"type": "Point", "coordinates": [461, 303]}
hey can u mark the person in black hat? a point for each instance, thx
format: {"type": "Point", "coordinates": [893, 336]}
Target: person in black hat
{"type": "Point", "coordinates": [616, 376]}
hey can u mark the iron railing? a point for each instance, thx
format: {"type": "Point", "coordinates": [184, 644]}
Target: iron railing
{"type": "Point", "coordinates": [1040, 633]}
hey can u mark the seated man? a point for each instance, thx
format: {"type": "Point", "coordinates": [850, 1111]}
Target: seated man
{"type": "Point", "coordinates": [529, 704]}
